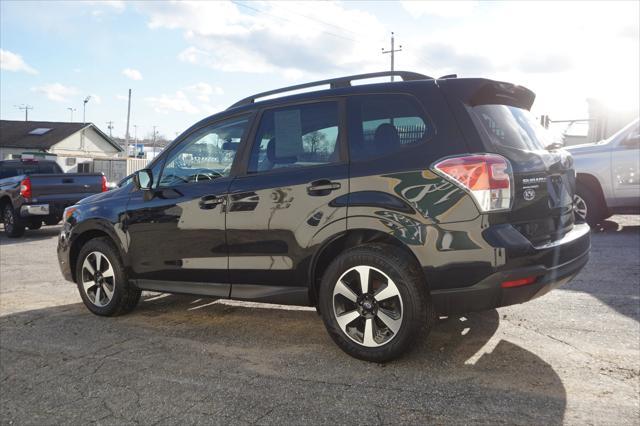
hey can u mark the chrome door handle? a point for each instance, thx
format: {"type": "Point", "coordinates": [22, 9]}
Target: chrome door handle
{"type": "Point", "coordinates": [209, 202]}
{"type": "Point", "coordinates": [322, 187]}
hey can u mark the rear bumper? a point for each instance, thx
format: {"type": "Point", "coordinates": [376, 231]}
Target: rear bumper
{"type": "Point", "coordinates": [45, 208]}
{"type": "Point", "coordinates": [568, 256]}
{"type": "Point", "coordinates": [34, 210]}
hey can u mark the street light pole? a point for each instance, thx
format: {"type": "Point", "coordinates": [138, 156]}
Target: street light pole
{"type": "Point", "coordinates": [84, 109]}
{"type": "Point", "coordinates": [71, 112]}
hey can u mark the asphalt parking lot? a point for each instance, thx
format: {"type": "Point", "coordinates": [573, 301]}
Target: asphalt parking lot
{"type": "Point", "coordinates": [572, 356]}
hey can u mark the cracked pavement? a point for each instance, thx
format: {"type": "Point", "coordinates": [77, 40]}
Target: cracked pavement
{"type": "Point", "coordinates": [572, 356]}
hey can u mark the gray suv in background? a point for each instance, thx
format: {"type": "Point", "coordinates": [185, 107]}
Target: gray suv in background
{"type": "Point", "coordinates": [608, 175]}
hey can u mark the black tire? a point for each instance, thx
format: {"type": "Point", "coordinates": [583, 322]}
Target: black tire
{"type": "Point", "coordinates": [52, 221]}
{"type": "Point", "coordinates": [596, 212]}
{"type": "Point", "coordinates": [34, 224]}
{"type": "Point", "coordinates": [13, 224]}
{"type": "Point", "coordinates": [125, 297]}
{"type": "Point", "coordinates": [417, 312]}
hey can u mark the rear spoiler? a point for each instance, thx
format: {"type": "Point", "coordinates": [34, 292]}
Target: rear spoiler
{"type": "Point", "coordinates": [477, 91]}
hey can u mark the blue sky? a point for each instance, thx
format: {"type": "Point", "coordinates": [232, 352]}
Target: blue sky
{"type": "Point", "coordinates": [185, 61]}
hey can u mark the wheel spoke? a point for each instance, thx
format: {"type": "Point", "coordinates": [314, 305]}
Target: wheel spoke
{"type": "Point", "coordinates": [98, 258]}
{"type": "Point", "coordinates": [368, 333]}
{"type": "Point", "coordinates": [89, 267]}
{"type": "Point", "coordinates": [389, 291]}
{"type": "Point", "coordinates": [97, 296]}
{"type": "Point", "coordinates": [346, 318]}
{"type": "Point", "coordinates": [363, 271]}
{"type": "Point", "coordinates": [393, 324]}
{"type": "Point", "coordinates": [109, 272]}
{"type": "Point", "coordinates": [108, 291]}
{"type": "Point", "coordinates": [344, 290]}
{"type": "Point", "coordinates": [87, 285]}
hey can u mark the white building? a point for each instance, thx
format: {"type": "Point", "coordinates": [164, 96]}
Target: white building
{"type": "Point", "coordinates": [73, 144]}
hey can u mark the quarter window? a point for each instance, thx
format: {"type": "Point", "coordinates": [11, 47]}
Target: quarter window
{"type": "Point", "coordinates": [384, 124]}
{"type": "Point", "coordinates": [207, 154]}
{"type": "Point", "coordinates": [303, 135]}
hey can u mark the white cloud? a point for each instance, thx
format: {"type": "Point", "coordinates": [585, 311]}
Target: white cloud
{"type": "Point", "coordinates": [178, 102]}
{"type": "Point", "coordinates": [56, 91]}
{"type": "Point", "coordinates": [276, 37]}
{"type": "Point", "coordinates": [203, 91]}
{"type": "Point", "coordinates": [132, 74]}
{"type": "Point", "coordinates": [117, 5]}
{"type": "Point", "coordinates": [121, 97]}
{"type": "Point", "coordinates": [444, 9]}
{"type": "Point", "coordinates": [13, 62]}
{"type": "Point", "coordinates": [96, 99]}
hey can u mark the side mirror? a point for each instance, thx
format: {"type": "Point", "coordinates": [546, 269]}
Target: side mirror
{"type": "Point", "coordinates": [632, 139]}
{"type": "Point", "coordinates": [143, 179]}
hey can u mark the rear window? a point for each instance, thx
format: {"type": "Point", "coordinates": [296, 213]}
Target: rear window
{"type": "Point", "coordinates": [28, 168]}
{"type": "Point", "coordinates": [507, 129]}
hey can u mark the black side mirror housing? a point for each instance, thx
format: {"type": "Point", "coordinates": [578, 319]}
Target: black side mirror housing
{"type": "Point", "coordinates": [143, 179]}
{"type": "Point", "coordinates": [632, 140]}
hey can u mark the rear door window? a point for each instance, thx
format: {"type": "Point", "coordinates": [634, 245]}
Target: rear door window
{"type": "Point", "coordinates": [382, 125]}
{"type": "Point", "coordinates": [297, 136]}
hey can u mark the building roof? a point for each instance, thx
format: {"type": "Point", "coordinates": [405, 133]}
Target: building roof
{"type": "Point", "coordinates": [42, 135]}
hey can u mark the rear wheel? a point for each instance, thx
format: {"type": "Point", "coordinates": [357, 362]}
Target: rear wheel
{"type": "Point", "coordinates": [374, 302]}
{"type": "Point", "coordinates": [102, 280]}
{"type": "Point", "coordinates": [13, 224]}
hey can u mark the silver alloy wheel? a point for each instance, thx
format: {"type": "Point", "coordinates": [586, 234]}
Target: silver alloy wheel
{"type": "Point", "coordinates": [580, 207]}
{"type": "Point", "coordinates": [98, 279]}
{"type": "Point", "coordinates": [367, 306]}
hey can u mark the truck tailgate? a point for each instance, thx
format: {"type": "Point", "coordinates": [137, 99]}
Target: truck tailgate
{"type": "Point", "coordinates": [65, 186]}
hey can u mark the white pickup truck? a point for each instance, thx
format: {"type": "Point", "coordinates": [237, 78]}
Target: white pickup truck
{"type": "Point", "coordinates": [608, 175]}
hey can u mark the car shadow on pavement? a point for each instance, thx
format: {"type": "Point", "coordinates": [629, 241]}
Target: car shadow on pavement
{"type": "Point", "coordinates": [181, 358]}
{"type": "Point", "coordinates": [43, 233]}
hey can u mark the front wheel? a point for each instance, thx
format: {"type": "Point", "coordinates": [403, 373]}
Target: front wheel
{"type": "Point", "coordinates": [587, 207]}
{"type": "Point", "coordinates": [374, 302]}
{"type": "Point", "coordinates": [102, 280]}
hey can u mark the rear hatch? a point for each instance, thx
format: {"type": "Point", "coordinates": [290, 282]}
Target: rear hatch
{"type": "Point", "coordinates": [498, 121]}
{"type": "Point", "coordinates": [64, 186]}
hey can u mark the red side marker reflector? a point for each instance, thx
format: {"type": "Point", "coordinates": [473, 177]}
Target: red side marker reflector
{"type": "Point", "coordinates": [519, 282]}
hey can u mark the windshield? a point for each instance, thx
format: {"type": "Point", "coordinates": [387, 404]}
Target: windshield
{"type": "Point", "coordinates": [28, 168]}
{"type": "Point", "coordinates": [508, 128]}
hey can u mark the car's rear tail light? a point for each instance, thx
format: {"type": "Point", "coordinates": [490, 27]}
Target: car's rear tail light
{"type": "Point", "coordinates": [487, 177]}
{"type": "Point", "coordinates": [105, 188]}
{"type": "Point", "coordinates": [519, 282]}
{"type": "Point", "coordinates": [25, 188]}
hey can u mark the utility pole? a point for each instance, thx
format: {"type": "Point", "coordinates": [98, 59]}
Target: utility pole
{"type": "Point", "coordinates": [126, 135]}
{"type": "Point", "coordinates": [154, 141]}
{"type": "Point", "coordinates": [26, 109]}
{"type": "Point", "coordinates": [84, 109]}
{"type": "Point", "coordinates": [392, 51]}
{"type": "Point", "coordinates": [71, 111]}
{"type": "Point", "coordinates": [110, 127]}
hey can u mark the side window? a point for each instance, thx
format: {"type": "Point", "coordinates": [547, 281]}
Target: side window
{"type": "Point", "coordinates": [205, 155]}
{"type": "Point", "coordinates": [381, 125]}
{"type": "Point", "coordinates": [302, 135]}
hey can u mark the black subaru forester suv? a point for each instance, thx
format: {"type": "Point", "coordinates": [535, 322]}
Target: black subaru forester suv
{"type": "Point", "coordinates": [383, 205]}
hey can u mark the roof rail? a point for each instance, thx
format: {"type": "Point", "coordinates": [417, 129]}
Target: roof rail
{"type": "Point", "coordinates": [334, 83]}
